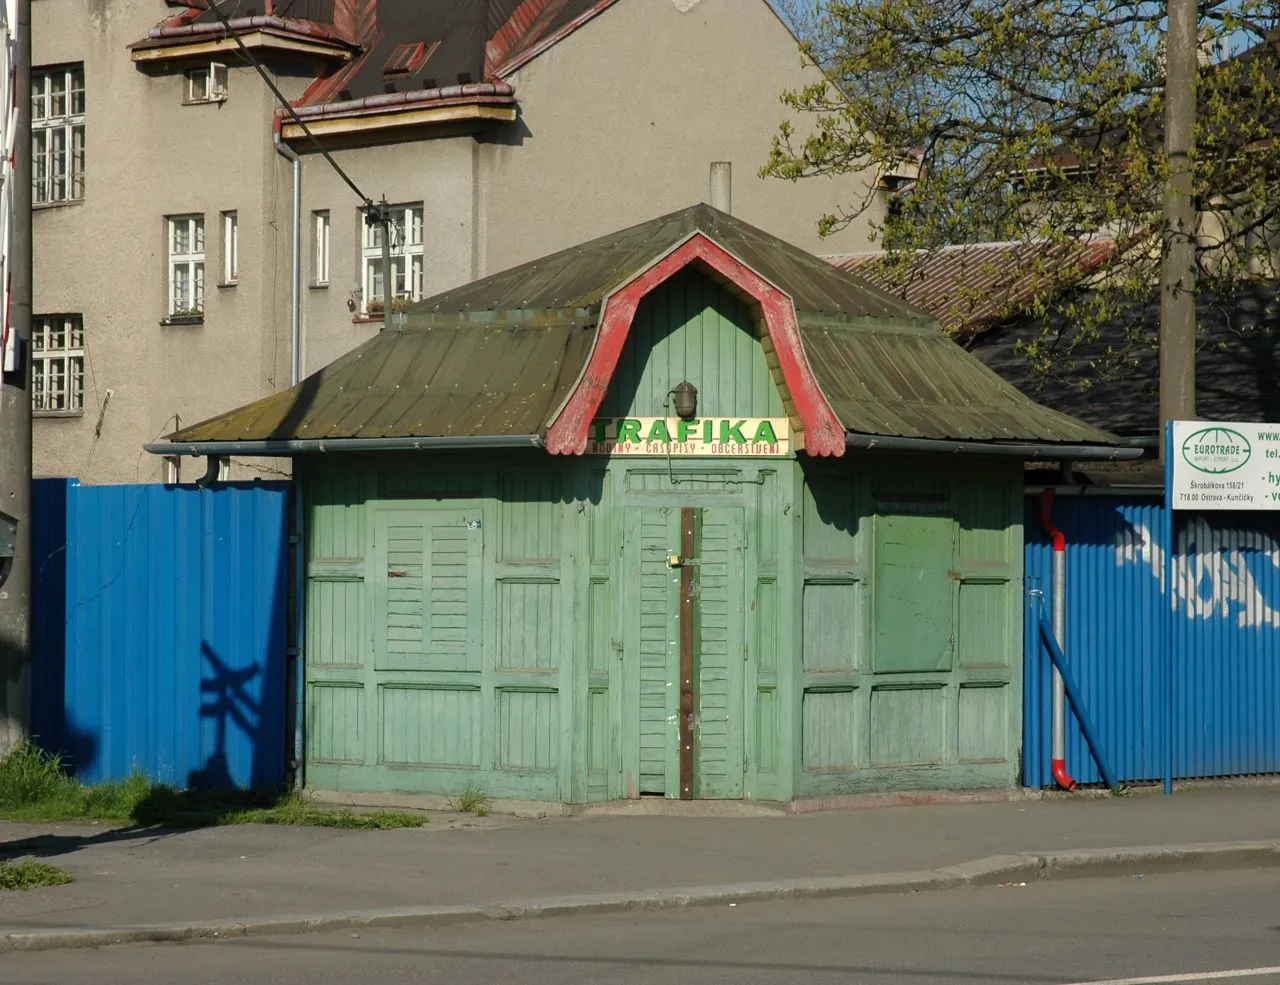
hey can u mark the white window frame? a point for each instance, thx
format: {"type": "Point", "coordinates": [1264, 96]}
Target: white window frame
{"type": "Point", "coordinates": [57, 371]}
{"type": "Point", "coordinates": [57, 134]}
{"type": "Point", "coordinates": [406, 259]}
{"type": "Point", "coordinates": [321, 230]}
{"type": "Point", "coordinates": [230, 247]}
{"type": "Point", "coordinates": [185, 278]}
{"type": "Point", "coordinates": [206, 84]}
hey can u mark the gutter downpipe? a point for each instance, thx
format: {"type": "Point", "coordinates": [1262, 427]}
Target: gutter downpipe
{"type": "Point", "coordinates": [1058, 756]}
{"type": "Point", "coordinates": [295, 270]}
{"type": "Point", "coordinates": [298, 542]}
{"type": "Point", "coordinates": [299, 514]}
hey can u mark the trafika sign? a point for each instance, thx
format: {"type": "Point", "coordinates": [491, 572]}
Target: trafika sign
{"type": "Point", "coordinates": [1224, 466]}
{"type": "Point", "coordinates": [713, 437]}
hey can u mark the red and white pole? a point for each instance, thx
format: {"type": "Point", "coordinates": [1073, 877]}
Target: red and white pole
{"type": "Point", "coordinates": [1058, 611]}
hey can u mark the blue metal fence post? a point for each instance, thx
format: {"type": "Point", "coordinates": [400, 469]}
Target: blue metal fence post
{"type": "Point", "coordinates": [1170, 607]}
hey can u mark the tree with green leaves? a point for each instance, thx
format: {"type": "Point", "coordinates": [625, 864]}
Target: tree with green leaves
{"type": "Point", "coordinates": [1044, 120]}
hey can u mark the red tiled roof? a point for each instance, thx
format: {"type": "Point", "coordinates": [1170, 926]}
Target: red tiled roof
{"type": "Point", "coordinates": [967, 288]}
{"type": "Point", "coordinates": [466, 43]}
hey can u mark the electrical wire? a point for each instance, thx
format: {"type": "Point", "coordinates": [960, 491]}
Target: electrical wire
{"type": "Point", "coordinates": [288, 106]}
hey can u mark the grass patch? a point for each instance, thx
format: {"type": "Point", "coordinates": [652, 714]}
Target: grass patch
{"type": "Point", "coordinates": [34, 786]}
{"type": "Point", "coordinates": [472, 799]}
{"type": "Point", "coordinates": [27, 873]}
{"type": "Point", "coordinates": [197, 809]}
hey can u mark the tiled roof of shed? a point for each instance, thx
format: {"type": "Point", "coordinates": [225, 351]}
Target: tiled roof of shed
{"type": "Point", "coordinates": [498, 357]}
{"type": "Point", "coordinates": [969, 288]}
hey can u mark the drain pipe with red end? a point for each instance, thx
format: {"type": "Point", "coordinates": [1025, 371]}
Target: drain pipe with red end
{"type": "Point", "coordinates": [1058, 758]}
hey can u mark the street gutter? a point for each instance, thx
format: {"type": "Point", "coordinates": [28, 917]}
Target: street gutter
{"type": "Point", "coordinates": [1013, 870]}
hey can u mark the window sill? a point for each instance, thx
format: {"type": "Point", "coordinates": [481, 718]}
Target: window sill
{"type": "Point", "coordinates": [367, 320]}
{"type": "Point", "coordinates": [54, 414]}
{"type": "Point", "coordinates": [183, 320]}
{"type": "Point", "coordinates": [322, 285]}
{"type": "Point", "coordinates": [61, 204]}
{"type": "Point", "coordinates": [228, 283]}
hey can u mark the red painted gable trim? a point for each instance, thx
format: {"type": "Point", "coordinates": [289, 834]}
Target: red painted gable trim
{"type": "Point", "coordinates": [525, 25]}
{"type": "Point", "coordinates": [823, 433]}
{"type": "Point", "coordinates": [528, 51]}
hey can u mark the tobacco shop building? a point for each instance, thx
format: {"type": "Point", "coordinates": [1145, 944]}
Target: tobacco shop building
{"type": "Point", "coordinates": [680, 512]}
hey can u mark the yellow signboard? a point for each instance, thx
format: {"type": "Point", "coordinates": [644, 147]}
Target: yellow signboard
{"type": "Point", "coordinates": [712, 437]}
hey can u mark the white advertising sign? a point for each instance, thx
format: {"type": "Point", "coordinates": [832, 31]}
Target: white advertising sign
{"type": "Point", "coordinates": [1224, 466]}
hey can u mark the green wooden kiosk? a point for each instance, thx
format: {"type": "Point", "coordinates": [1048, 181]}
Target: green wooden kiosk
{"type": "Point", "coordinates": [683, 511]}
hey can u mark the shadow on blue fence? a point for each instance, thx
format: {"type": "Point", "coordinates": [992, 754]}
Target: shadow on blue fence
{"type": "Point", "coordinates": [160, 631]}
{"type": "Point", "coordinates": [227, 701]}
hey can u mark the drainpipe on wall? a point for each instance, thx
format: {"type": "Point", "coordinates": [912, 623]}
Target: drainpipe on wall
{"type": "Point", "coordinates": [295, 270]}
{"type": "Point", "coordinates": [299, 515]}
{"type": "Point", "coordinates": [722, 186]}
{"type": "Point", "coordinates": [299, 633]}
{"type": "Point", "coordinates": [1058, 757]}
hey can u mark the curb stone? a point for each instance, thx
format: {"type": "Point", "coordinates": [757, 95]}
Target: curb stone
{"type": "Point", "coordinates": [991, 871]}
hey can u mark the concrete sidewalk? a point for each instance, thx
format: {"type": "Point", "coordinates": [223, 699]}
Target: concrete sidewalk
{"type": "Point", "coordinates": [218, 881]}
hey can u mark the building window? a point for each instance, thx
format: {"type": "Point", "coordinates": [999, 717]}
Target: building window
{"type": "Point", "coordinates": [57, 134]}
{"type": "Point", "coordinates": [230, 248]}
{"type": "Point", "coordinates": [320, 251]}
{"type": "Point", "coordinates": [186, 266]}
{"type": "Point", "coordinates": [406, 258]}
{"type": "Point", "coordinates": [57, 364]}
{"type": "Point", "coordinates": [207, 84]}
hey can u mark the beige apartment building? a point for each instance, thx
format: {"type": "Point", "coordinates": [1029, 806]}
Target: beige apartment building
{"type": "Point", "coordinates": [498, 130]}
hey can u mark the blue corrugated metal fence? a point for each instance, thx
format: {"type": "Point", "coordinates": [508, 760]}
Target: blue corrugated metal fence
{"type": "Point", "coordinates": [1225, 640]}
{"type": "Point", "coordinates": [159, 631]}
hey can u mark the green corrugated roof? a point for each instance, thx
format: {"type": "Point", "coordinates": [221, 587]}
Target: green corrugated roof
{"type": "Point", "coordinates": [499, 356]}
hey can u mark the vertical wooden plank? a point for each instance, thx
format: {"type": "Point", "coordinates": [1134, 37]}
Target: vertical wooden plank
{"type": "Point", "coordinates": [982, 723]}
{"type": "Point", "coordinates": [718, 677]}
{"type": "Point", "coordinates": [789, 632]}
{"type": "Point", "coordinates": [691, 328]}
{"type": "Point", "coordinates": [909, 724]}
{"type": "Point", "coordinates": [831, 732]}
{"type": "Point", "coordinates": [688, 659]}
{"type": "Point", "coordinates": [1014, 613]}
{"type": "Point", "coordinates": [831, 626]}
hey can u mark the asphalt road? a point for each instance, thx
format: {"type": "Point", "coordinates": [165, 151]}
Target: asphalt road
{"type": "Point", "coordinates": [1186, 928]}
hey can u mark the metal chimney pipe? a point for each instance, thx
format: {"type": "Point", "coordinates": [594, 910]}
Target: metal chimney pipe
{"type": "Point", "coordinates": [722, 186]}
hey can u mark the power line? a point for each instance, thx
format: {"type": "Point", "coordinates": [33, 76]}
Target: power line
{"type": "Point", "coordinates": [378, 214]}
{"type": "Point", "coordinates": [248, 56]}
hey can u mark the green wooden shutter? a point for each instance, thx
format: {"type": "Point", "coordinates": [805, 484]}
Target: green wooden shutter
{"type": "Point", "coordinates": [431, 578]}
{"type": "Point", "coordinates": [914, 593]}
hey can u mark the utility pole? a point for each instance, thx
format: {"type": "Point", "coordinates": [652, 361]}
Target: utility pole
{"type": "Point", "coordinates": [379, 216]}
{"type": "Point", "coordinates": [15, 411]}
{"type": "Point", "coordinates": [388, 282]}
{"type": "Point", "coordinates": [1178, 260]}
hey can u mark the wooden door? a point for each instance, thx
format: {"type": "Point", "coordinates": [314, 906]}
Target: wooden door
{"type": "Point", "coordinates": [684, 652]}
